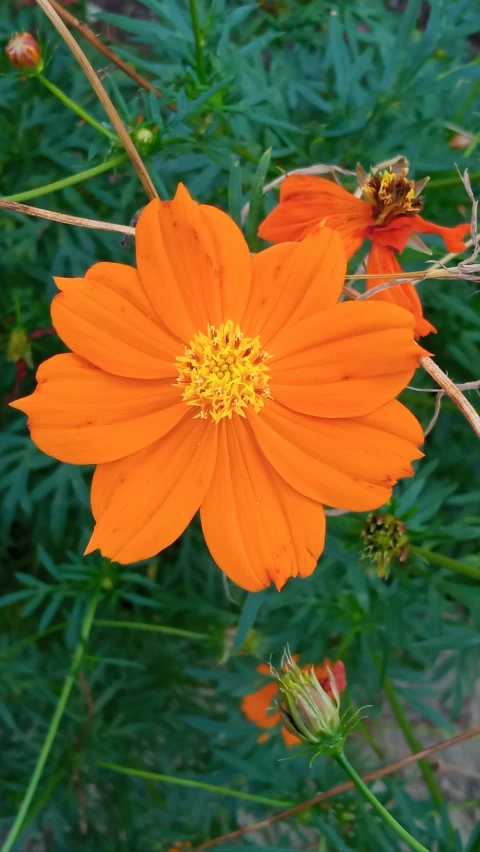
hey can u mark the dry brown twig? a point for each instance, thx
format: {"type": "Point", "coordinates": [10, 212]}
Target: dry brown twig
{"type": "Point", "coordinates": [454, 392]}
{"type": "Point", "coordinates": [376, 775]}
{"type": "Point", "coordinates": [90, 36]}
{"type": "Point", "coordinates": [103, 97]}
{"type": "Point", "coordinates": [65, 218]}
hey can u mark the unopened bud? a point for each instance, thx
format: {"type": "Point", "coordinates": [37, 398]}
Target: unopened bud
{"type": "Point", "coordinates": [386, 540]}
{"type": "Point", "coordinates": [307, 710]}
{"type": "Point", "coordinates": [144, 138]}
{"type": "Point", "coordinates": [23, 51]}
{"type": "Point", "coordinates": [460, 141]}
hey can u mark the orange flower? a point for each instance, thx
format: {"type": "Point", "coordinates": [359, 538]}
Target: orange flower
{"type": "Point", "coordinates": [257, 707]}
{"type": "Point", "coordinates": [388, 217]}
{"type": "Point", "coordinates": [210, 379]}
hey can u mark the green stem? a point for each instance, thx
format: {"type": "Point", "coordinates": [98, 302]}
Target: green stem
{"type": "Point", "coordinates": [472, 146]}
{"type": "Point", "coordinates": [446, 562]}
{"type": "Point", "coordinates": [370, 797]}
{"type": "Point", "coordinates": [44, 796]}
{"type": "Point", "coordinates": [190, 782]}
{"type": "Point", "coordinates": [199, 41]}
{"type": "Point", "coordinates": [30, 640]}
{"type": "Point", "coordinates": [154, 628]}
{"type": "Point", "coordinates": [67, 181]}
{"type": "Point", "coordinates": [77, 108]}
{"type": "Point", "coordinates": [425, 766]}
{"type": "Point", "coordinates": [54, 724]}
{"type": "Point", "coordinates": [451, 181]}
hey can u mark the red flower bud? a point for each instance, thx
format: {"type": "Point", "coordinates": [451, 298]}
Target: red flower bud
{"type": "Point", "coordinates": [23, 51]}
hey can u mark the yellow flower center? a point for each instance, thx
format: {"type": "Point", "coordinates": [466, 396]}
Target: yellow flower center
{"type": "Point", "coordinates": [223, 372]}
{"type": "Point", "coordinates": [391, 194]}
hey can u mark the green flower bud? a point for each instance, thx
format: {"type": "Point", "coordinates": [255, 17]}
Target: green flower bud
{"type": "Point", "coordinates": [307, 711]}
{"type": "Point", "coordinates": [144, 138]}
{"type": "Point", "coordinates": [18, 347]}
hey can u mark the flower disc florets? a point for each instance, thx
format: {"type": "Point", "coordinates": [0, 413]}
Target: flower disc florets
{"type": "Point", "coordinates": [392, 194]}
{"type": "Point", "coordinates": [385, 539]}
{"type": "Point", "coordinates": [223, 372]}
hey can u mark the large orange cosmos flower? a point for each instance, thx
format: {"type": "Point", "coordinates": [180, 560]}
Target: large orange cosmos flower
{"type": "Point", "coordinates": [388, 217]}
{"type": "Point", "coordinates": [259, 706]}
{"type": "Point", "coordinates": [210, 379]}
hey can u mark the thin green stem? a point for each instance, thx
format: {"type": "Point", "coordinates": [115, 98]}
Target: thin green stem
{"type": "Point", "coordinates": [190, 782]}
{"type": "Point", "coordinates": [473, 144]}
{"type": "Point", "coordinates": [370, 797]}
{"type": "Point", "coordinates": [44, 796]}
{"type": "Point", "coordinates": [153, 628]}
{"type": "Point", "coordinates": [447, 562]}
{"type": "Point", "coordinates": [451, 181]}
{"type": "Point", "coordinates": [425, 766]}
{"type": "Point", "coordinates": [30, 640]}
{"type": "Point", "coordinates": [67, 181]}
{"type": "Point", "coordinates": [54, 724]}
{"type": "Point", "coordinates": [199, 41]}
{"type": "Point", "coordinates": [77, 108]}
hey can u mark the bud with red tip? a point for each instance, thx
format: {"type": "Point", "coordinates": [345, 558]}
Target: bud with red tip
{"type": "Point", "coordinates": [23, 51]}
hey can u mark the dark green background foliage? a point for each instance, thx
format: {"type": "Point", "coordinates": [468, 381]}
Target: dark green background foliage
{"type": "Point", "coordinates": [316, 83]}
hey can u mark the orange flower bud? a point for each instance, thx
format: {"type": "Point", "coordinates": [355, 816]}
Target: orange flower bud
{"type": "Point", "coordinates": [23, 51]}
{"type": "Point", "coordinates": [460, 141]}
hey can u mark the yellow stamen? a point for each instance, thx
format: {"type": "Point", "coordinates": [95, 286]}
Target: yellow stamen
{"type": "Point", "coordinates": [224, 372]}
{"type": "Point", "coordinates": [391, 194]}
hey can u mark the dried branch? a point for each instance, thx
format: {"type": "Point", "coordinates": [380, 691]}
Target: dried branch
{"type": "Point", "coordinates": [103, 97]}
{"type": "Point", "coordinates": [90, 36]}
{"type": "Point", "coordinates": [436, 414]}
{"type": "Point", "coordinates": [341, 788]}
{"type": "Point", "coordinates": [453, 392]}
{"type": "Point", "coordinates": [65, 218]}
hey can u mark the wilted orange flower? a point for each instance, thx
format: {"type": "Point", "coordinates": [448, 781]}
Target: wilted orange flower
{"type": "Point", "coordinates": [210, 379]}
{"type": "Point", "coordinates": [388, 216]}
{"type": "Point", "coordinates": [259, 706]}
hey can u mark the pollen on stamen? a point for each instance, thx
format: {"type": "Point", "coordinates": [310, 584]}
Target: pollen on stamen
{"type": "Point", "coordinates": [222, 372]}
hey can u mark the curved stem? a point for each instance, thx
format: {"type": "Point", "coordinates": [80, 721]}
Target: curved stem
{"type": "Point", "coordinates": [67, 181]}
{"type": "Point", "coordinates": [446, 562]}
{"type": "Point", "coordinates": [426, 768]}
{"type": "Point", "coordinates": [54, 724]}
{"type": "Point", "coordinates": [370, 797]}
{"type": "Point", "coordinates": [199, 42]}
{"type": "Point", "coordinates": [154, 628]}
{"type": "Point", "coordinates": [191, 782]}
{"type": "Point", "coordinates": [77, 108]}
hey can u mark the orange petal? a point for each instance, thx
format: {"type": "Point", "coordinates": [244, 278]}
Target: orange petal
{"type": "Point", "coordinates": [382, 259]}
{"type": "Point", "coordinates": [104, 325]}
{"type": "Point", "coordinates": [122, 279]}
{"type": "Point", "coordinates": [293, 280]}
{"type": "Point", "coordinates": [194, 264]}
{"type": "Point", "coordinates": [305, 201]}
{"type": "Point", "coordinates": [345, 361]}
{"type": "Point", "coordinates": [255, 707]}
{"type": "Point", "coordinates": [452, 237]}
{"type": "Point", "coordinates": [145, 501]}
{"type": "Point", "coordinates": [257, 528]}
{"type": "Point", "coordinates": [81, 415]}
{"type": "Point", "coordinates": [346, 463]}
